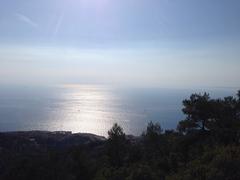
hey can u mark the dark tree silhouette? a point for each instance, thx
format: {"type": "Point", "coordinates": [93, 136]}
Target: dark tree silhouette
{"type": "Point", "coordinates": [219, 116]}
{"type": "Point", "coordinates": [208, 148]}
{"type": "Point", "coordinates": [153, 132]}
{"type": "Point", "coordinates": [199, 113]}
{"type": "Point", "coordinates": [116, 145]}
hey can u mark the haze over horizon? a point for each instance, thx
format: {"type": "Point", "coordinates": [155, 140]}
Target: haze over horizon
{"type": "Point", "coordinates": [168, 43]}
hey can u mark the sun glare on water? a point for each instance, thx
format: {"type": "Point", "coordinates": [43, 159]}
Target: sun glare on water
{"type": "Point", "coordinates": [85, 109]}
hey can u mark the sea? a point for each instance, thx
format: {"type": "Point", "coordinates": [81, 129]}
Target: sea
{"type": "Point", "coordinates": [94, 108]}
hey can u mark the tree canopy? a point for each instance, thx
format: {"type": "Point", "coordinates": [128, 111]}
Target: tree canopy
{"type": "Point", "coordinates": [205, 146]}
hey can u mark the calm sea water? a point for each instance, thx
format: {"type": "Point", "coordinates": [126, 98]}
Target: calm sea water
{"type": "Point", "coordinates": [92, 108]}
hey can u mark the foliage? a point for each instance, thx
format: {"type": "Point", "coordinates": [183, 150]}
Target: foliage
{"type": "Point", "coordinates": [205, 146]}
{"type": "Point", "coordinates": [116, 145]}
{"type": "Point", "coordinates": [198, 111]}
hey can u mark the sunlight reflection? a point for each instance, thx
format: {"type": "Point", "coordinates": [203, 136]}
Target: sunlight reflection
{"type": "Point", "coordinates": [86, 109]}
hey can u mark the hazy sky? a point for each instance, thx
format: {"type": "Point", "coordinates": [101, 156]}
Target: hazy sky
{"type": "Point", "coordinates": [149, 42]}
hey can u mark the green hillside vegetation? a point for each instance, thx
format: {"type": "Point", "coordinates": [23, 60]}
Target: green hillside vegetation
{"type": "Point", "coordinates": [205, 146]}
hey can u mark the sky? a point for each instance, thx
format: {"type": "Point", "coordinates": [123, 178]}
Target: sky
{"type": "Point", "coordinates": [167, 43]}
